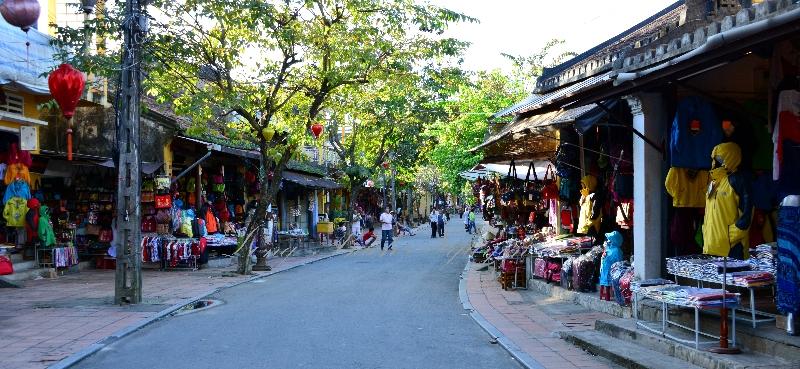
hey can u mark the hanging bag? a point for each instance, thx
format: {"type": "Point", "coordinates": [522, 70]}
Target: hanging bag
{"type": "Point", "coordinates": [533, 189]}
{"type": "Point", "coordinates": [163, 201]}
{"type": "Point", "coordinates": [6, 266]}
{"type": "Point", "coordinates": [549, 185]}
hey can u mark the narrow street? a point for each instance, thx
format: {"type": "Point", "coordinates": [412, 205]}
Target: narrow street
{"type": "Point", "coordinates": [369, 309]}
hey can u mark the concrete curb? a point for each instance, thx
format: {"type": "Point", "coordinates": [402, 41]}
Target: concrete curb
{"type": "Point", "coordinates": [521, 356]}
{"type": "Point", "coordinates": [94, 348]}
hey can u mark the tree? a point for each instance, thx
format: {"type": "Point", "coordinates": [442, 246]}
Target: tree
{"type": "Point", "coordinates": [466, 125]}
{"type": "Point", "coordinates": [527, 68]}
{"type": "Point", "coordinates": [268, 68]}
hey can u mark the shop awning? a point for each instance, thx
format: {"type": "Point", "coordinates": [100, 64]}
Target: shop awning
{"type": "Point", "coordinates": [586, 116]}
{"type": "Point", "coordinates": [146, 168]}
{"type": "Point", "coordinates": [25, 56]}
{"type": "Point", "coordinates": [251, 154]}
{"type": "Point", "coordinates": [310, 181]}
{"type": "Point", "coordinates": [537, 101]}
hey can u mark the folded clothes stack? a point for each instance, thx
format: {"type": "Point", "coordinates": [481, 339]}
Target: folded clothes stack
{"type": "Point", "coordinates": [751, 278]}
{"type": "Point", "coordinates": [763, 258]}
{"type": "Point", "coordinates": [689, 296]}
{"type": "Point", "coordinates": [708, 268]}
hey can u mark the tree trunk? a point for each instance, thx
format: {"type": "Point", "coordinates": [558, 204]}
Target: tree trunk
{"type": "Point", "coordinates": [269, 190]}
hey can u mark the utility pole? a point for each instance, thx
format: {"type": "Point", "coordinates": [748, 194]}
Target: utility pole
{"type": "Point", "coordinates": [128, 286]}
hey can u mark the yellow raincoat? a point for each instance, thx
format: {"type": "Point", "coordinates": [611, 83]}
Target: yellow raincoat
{"type": "Point", "coordinates": [590, 214]}
{"type": "Point", "coordinates": [687, 187]}
{"type": "Point", "coordinates": [729, 209]}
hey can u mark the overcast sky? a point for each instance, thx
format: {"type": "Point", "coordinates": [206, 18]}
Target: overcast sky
{"type": "Point", "coordinates": [522, 27]}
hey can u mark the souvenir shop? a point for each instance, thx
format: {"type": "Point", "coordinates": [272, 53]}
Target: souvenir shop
{"type": "Point", "coordinates": [36, 221]}
{"type": "Point", "coordinates": [733, 189]}
{"type": "Point", "coordinates": [554, 219]}
{"type": "Point", "coordinates": [729, 189]}
{"type": "Point", "coordinates": [199, 211]}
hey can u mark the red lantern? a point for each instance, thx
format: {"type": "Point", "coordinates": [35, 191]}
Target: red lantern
{"type": "Point", "coordinates": [316, 130]}
{"type": "Point", "coordinates": [20, 13]}
{"type": "Point", "coordinates": [385, 165]}
{"type": "Point", "coordinates": [66, 86]}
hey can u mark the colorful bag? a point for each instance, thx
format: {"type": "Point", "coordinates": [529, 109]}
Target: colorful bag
{"type": "Point", "coordinates": [148, 196]}
{"type": "Point", "coordinates": [211, 222]}
{"type": "Point", "coordinates": [92, 229]}
{"type": "Point", "coordinates": [162, 183]}
{"type": "Point", "coordinates": [106, 236]}
{"type": "Point", "coordinates": [163, 201]}
{"type": "Point", "coordinates": [540, 268]}
{"type": "Point", "coordinates": [6, 266]}
{"type": "Point", "coordinates": [549, 187]}
{"type": "Point", "coordinates": [552, 271]}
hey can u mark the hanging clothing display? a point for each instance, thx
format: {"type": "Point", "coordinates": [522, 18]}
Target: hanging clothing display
{"type": "Point", "coordinates": [695, 131]}
{"type": "Point", "coordinates": [787, 130]}
{"type": "Point", "coordinates": [65, 256]}
{"type": "Point", "coordinates": [788, 277]}
{"type": "Point", "coordinates": [591, 207]}
{"type": "Point", "coordinates": [687, 187]}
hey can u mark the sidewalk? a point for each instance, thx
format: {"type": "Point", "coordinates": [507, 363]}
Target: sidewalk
{"type": "Point", "coordinates": [50, 319]}
{"type": "Point", "coordinates": [531, 321]}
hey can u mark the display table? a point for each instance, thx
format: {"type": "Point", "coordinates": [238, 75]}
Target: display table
{"type": "Point", "coordinates": [667, 301]}
{"type": "Point", "coordinates": [686, 268]}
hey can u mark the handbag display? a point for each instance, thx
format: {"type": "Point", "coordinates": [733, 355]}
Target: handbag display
{"type": "Point", "coordinates": [148, 196]}
{"type": "Point", "coordinates": [163, 201]}
{"type": "Point", "coordinates": [106, 236]}
{"type": "Point", "coordinates": [549, 184]}
{"type": "Point", "coordinates": [163, 183]}
{"type": "Point", "coordinates": [540, 268]}
{"type": "Point", "coordinates": [6, 266]}
{"type": "Point", "coordinates": [92, 229]}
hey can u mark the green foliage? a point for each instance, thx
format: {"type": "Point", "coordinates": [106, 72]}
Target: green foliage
{"type": "Point", "coordinates": [469, 111]}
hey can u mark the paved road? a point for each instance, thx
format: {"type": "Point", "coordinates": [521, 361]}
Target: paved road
{"type": "Point", "coordinates": [364, 310]}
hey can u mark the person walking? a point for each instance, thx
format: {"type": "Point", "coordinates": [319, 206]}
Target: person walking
{"type": "Point", "coordinates": [387, 227]}
{"type": "Point", "coordinates": [440, 223]}
{"type": "Point", "coordinates": [434, 218]}
{"type": "Point", "coordinates": [465, 216]}
{"type": "Point", "coordinates": [356, 227]}
{"type": "Point", "coordinates": [472, 227]}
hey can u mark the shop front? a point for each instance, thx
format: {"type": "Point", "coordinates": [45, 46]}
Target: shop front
{"type": "Point", "coordinates": [710, 127]}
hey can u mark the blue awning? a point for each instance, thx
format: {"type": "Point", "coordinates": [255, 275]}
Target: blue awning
{"type": "Point", "coordinates": [23, 66]}
{"type": "Point", "coordinates": [589, 119]}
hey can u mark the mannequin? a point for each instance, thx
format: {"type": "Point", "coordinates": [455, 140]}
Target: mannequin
{"type": "Point", "coordinates": [729, 209]}
{"type": "Point", "coordinates": [612, 254]}
{"type": "Point", "coordinates": [729, 212]}
{"type": "Point", "coordinates": [591, 208]}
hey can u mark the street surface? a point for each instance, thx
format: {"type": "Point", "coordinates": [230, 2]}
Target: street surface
{"type": "Point", "coordinates": [369, 309]}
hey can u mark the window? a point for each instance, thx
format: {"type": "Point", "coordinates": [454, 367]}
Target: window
{"type": "Point", "coordinates": [13, 104]}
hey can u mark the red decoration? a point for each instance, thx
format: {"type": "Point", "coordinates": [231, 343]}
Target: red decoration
{"type": "Point", "coordinates": [316, 129]}
{"type": "Point", "coordinates": [385, 165]}
{"type": "Point", "coordinates": [66, 85]}
{"type": "Point", "coordinates": [20, 13]}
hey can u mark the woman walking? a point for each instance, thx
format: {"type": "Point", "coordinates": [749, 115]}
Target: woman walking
{"type": "Point", "coordinates": [434, 218]}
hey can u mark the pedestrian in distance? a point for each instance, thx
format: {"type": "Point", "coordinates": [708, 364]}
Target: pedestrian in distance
{"type": "Point", "coordinates": [472, 228]}
{"type": "Point", "coordinates": [387, 227]}
{"type": "Point", "coordinates": [440, 223]}
{"type": "Point", "coordinates": [434, 218]}
{"type": "Point", "coordinates": [367, 239]}
{"type": "Point", "coordinates": [465, 216]}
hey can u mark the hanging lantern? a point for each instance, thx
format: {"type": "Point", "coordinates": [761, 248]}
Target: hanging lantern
{"type": "Point", "coordinates": [268, 133]}
{"type": "Point", "coordinates": [66, 86]}
{"type": "Point", "coordinates": [316, 130]}
{"type": "Point", "coordinates": [20, 13]}
{"type": "Point", "coordinates": [385, 165]}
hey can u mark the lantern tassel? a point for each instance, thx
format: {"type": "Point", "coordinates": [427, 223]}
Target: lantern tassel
{"type": "Point", "coordinates": [69, 139]}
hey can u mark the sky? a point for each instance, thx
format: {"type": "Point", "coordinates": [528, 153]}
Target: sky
{"type": "Point", "coordinates": [522, 27]}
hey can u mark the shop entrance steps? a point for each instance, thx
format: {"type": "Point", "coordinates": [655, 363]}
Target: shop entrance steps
{"type": "Point", "coordinates": [620, 341]}
{"type": "Point", "coordinates": [625, 354]}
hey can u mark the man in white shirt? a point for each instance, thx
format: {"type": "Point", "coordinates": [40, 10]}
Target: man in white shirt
{"type": "Point", "coordinates": [386, 227]}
